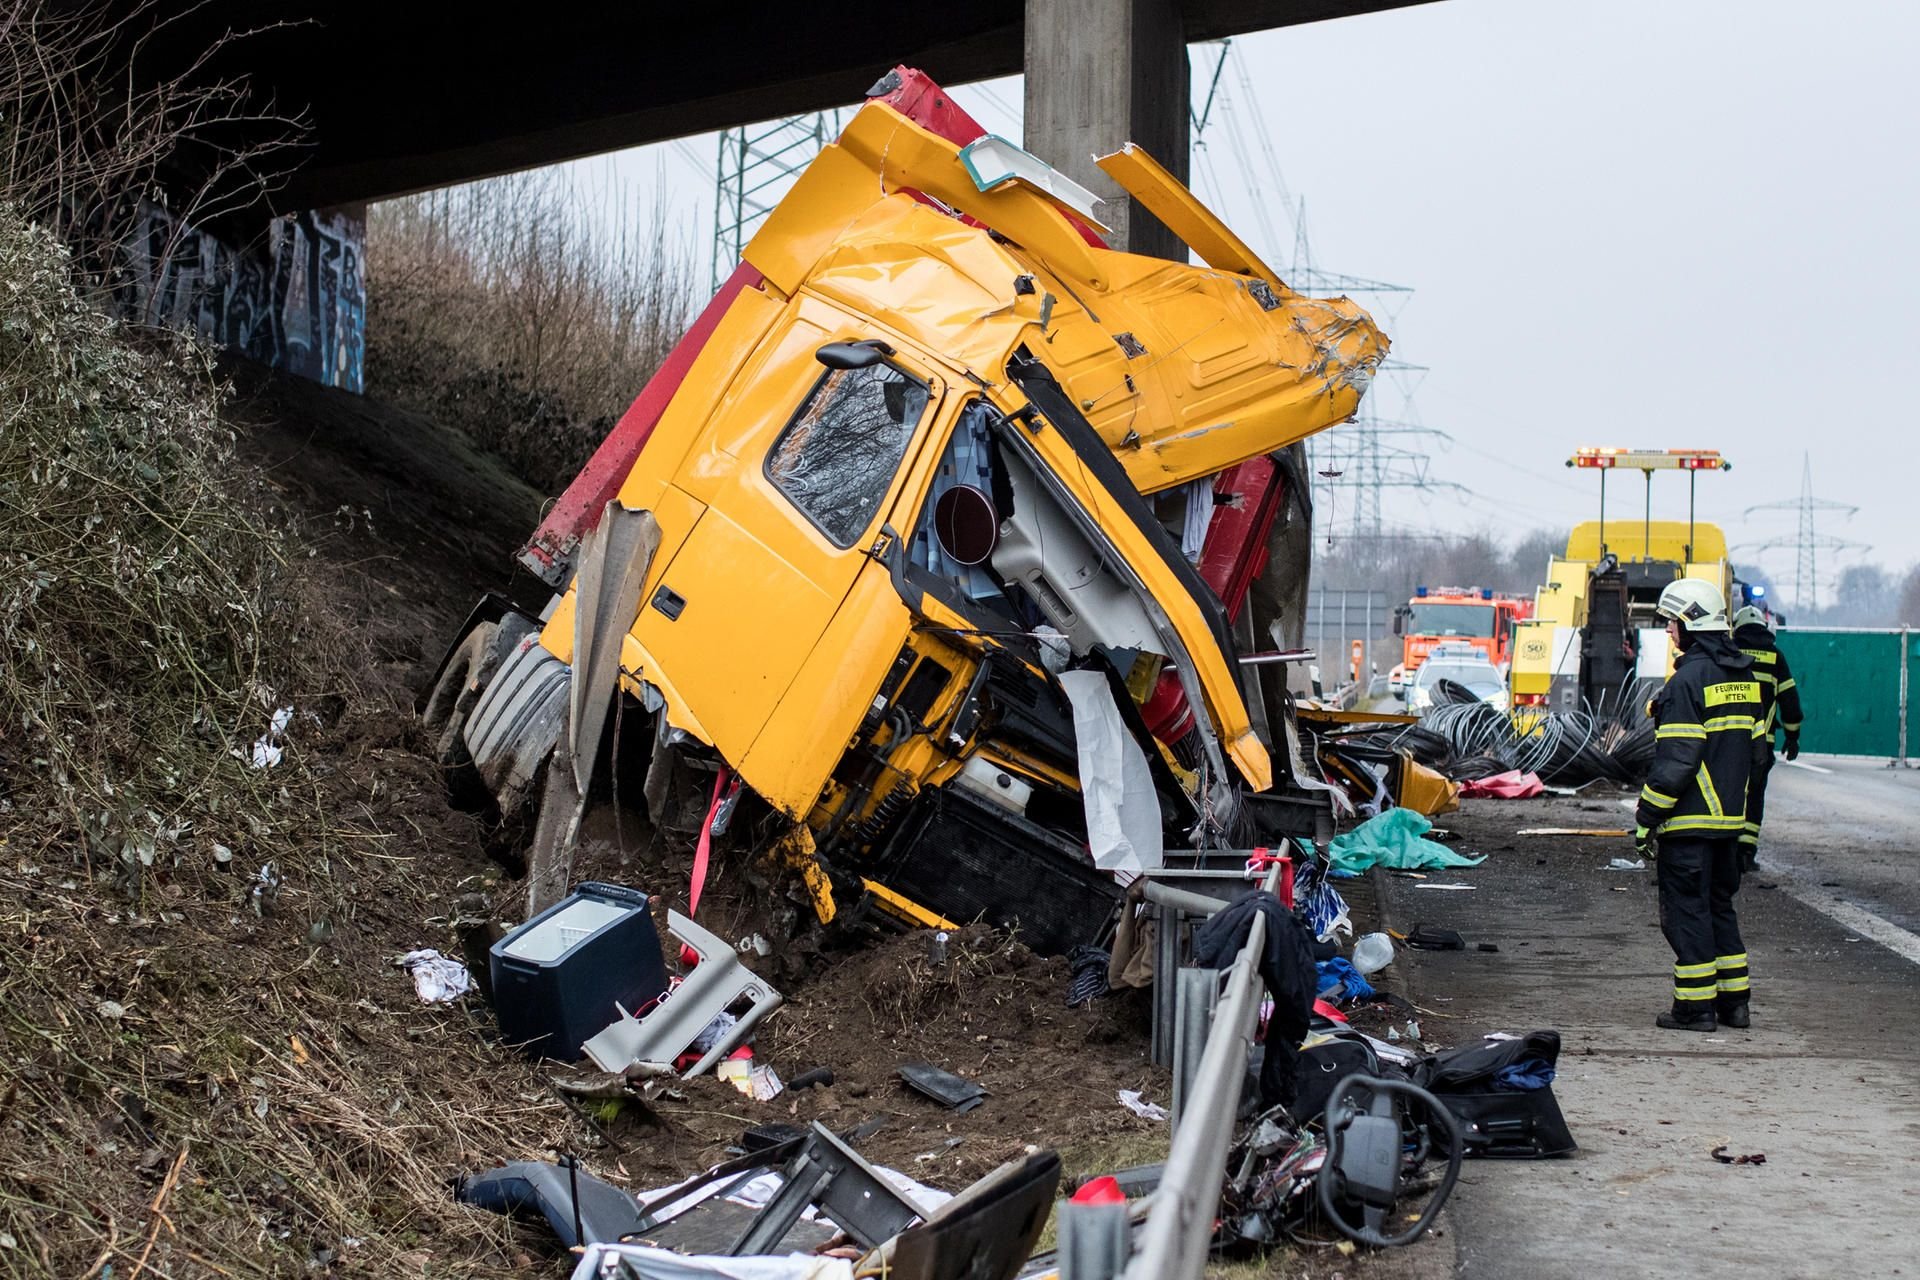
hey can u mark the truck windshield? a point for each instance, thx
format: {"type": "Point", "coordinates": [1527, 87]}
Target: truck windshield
{"type": "Point", "coordinates": [1451, 620]}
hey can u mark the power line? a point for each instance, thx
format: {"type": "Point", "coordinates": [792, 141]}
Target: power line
{"type": "Point", "coordinates": [1807, 542]}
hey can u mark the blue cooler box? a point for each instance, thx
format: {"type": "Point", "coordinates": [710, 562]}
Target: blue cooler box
{"type": "Point", "coordinates": [557, 978]}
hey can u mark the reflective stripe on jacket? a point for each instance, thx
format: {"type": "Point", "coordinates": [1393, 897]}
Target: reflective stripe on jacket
{"type": "Point", "coordinates": [1779, 694]}
{"type": "Point", "coordinates": [1706, 720]}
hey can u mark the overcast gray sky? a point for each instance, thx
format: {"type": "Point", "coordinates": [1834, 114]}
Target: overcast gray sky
{"type": "Point", "coordinates": [1652, 223]}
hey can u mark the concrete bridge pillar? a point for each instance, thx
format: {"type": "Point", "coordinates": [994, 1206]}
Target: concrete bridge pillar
{"type": "Point", "coordinates": [1100, 73]}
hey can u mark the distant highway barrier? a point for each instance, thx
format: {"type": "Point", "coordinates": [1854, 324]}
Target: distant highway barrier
{"type": "Point", "coordinates": [1857, 687]}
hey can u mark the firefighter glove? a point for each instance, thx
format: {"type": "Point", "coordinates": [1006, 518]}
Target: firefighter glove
{"type": "Point", "coordinates": [1793, 745]}
{"type": "Point", "coordinates": [1643, 843]}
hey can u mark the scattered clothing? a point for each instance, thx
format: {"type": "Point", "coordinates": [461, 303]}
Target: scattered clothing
{"type": "Point", "coordinates": [436, 979]}
{"type": "Point", "coordinates": [1088, 965]}
{"type": "Point", "coordinates": [1286, 966]}
{"type": "Point", "coordinates": [1326, 911]}
{"type": "Point", "coordinates": [1529, 1073]}
{"type": "Point", "coordinates": [1340, 981]}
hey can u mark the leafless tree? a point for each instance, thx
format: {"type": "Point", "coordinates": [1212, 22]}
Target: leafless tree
{"type": "Point", "coordinates": [522, 312]}
{"type": "Point", "coordinates": [92, 122]}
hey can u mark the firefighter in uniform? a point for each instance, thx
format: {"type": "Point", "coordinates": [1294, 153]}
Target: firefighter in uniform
{"type": "Point", "coordinates": [1706, 720]}
{"type": "Point", "coordinates": [1780, 703]}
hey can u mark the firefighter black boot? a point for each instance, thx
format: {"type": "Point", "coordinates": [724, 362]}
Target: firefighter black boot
{"type": "Point", "coordinates": [1732, 1014]}
{"type": "Point", "coordinates": [1694, 1015]}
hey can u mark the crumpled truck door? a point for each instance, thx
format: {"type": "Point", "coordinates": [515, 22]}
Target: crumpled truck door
{"type": "Point", "coordinates": [803, 464]}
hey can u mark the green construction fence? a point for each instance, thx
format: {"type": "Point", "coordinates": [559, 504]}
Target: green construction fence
{"type": "Point", "coordinates": [1856, 688]}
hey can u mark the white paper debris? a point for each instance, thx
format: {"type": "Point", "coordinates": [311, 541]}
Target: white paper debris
{"type": "Point", "coordinates": [436, 979]}
{"type": "Point", "coordinates": [1626, 864]}
{"type": "Point", "coordinates": [267, 749]}
{"type": "Point", "coordinates": [1428, 884]}
{"type": "Point", "coordinates": [758, 1082]}
{"type": "Point", "coordinates": [1132, 1101]}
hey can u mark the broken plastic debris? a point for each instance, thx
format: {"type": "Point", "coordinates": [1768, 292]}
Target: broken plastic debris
{"type": "Point", "coordinates": [1132, 1101]}
{"type": "Point", "coordinates": [943, 1087]}
{"type": "Point", "coordinates": [1627, 864]}
{"type": "Point", "coordinates": [1372, 953]}
{"type": "Point", "coordinates": [436, 979]}
{"type": "Point", "coordinates": [1431, 885]}
{"type": "Point", "coordinates": [599, 1260]}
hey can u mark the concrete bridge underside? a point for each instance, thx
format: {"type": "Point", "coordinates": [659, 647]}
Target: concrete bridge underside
{"type": "Point", "coordinates": [405, 97]}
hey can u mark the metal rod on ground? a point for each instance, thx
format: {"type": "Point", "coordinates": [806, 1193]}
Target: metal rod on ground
{"type": "Point", "coordinates": [1173, 1244]}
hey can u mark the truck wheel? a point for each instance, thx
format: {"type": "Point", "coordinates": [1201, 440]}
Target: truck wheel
{"type": "Point", "coordinates": [460, 685]}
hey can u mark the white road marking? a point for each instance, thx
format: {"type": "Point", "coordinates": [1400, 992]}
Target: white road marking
{"type": "Point", "coordinates": [1802, 764]}
{"type": "Point", "coordinates": [1855, 919]}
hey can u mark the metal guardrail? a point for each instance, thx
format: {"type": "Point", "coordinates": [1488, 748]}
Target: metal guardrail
{"type": "Point", "coordinates": [1179, 1226]}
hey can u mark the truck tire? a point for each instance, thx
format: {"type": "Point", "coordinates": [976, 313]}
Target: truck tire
{"type": "Point", "coordinates": [461, 684]}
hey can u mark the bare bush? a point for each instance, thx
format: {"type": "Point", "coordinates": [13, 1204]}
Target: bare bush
{"type": "Point", "coordinates": [103, 105]}
{"type": "Point", "coordinates": [515, 312]}
{"type": "Point", "coordinates": [146, 607]}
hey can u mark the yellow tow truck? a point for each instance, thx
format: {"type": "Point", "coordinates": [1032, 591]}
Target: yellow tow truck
{"type": "Point", "coordinates": [1594, 641]}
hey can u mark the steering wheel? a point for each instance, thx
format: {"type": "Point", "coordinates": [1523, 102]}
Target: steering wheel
{"type": "Point", "coordinates": [1364, 1161]}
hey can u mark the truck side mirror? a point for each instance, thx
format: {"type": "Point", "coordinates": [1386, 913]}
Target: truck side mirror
{"type": "Point", "coordinates": [1400, 615]}
{"type": "Point", "coordinates": [853, 355]}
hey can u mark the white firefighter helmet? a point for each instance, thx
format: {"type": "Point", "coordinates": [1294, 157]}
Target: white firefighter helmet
{"type": "Point", "coordinates": [1695, 604]}
{"type": "Point", "coordinates": [1746, 614]}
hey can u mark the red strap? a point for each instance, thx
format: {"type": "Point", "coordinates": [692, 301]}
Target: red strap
{"type": "Point", "coordinates": [701, 852]}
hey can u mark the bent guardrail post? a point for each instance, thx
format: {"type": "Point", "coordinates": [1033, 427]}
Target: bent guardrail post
{"type": "Point", "coordinates": [1173, 1245]}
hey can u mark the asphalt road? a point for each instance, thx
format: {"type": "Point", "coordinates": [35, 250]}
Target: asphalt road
{"type": "Point", "coordinates": [1850, 826]}
{"type": "Point", "coordinates": [1826, 1085]}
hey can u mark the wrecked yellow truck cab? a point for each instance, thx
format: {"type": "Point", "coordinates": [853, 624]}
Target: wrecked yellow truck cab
{"type": "Point", "coordinates": [924, 516]}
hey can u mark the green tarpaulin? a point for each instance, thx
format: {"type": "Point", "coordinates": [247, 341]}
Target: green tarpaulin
{"type": "Point", "coordinates": [1397, 838]}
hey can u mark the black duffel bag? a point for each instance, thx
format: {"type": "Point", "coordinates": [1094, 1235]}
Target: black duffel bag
{"type": "Point", "coordinates": [1501, 1092]}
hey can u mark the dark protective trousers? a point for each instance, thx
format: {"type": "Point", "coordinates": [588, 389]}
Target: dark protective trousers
{"type": "Point", "coordinates": [1756, 801]}
{"type": "Point", "coordinates": [1698, 879]}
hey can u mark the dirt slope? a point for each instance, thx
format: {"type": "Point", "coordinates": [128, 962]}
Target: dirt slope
{"type": "Point", "coordinates": [225, 1078]}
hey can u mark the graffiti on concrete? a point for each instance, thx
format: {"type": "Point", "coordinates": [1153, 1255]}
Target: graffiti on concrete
{"type": "Point", "coordinates": [299, 303]}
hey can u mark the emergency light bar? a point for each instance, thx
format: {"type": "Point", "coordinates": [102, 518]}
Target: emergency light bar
{"type": "Point", "coordinates": [1650, 459]}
